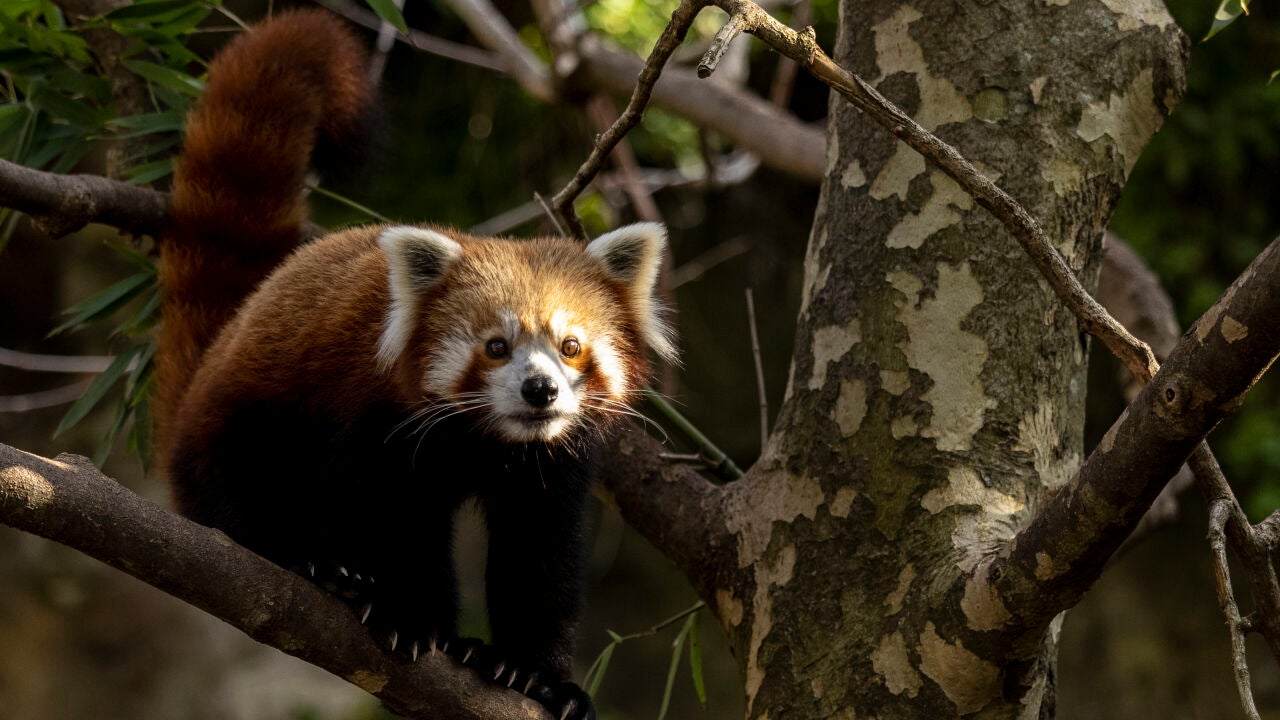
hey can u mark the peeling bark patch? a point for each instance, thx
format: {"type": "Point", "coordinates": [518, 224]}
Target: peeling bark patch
{"type": "Point", "coordinates": [991, 105]}
{"type": "Point", "coordinates": [843, 501]}
{"type": "Point", "coordinates": [1136, 14]}
{"type": "Point", "coordinates": [1036, 87]}
{"type": "Point", "coordinates": [1232, 330]}
{"type": "Point", "coordinates": [833, 153]}
{"type": "Point", "coordinates": [1039, 436]}
{"type": "Point", "coordinates": [370, 682]}
{"type": "Point", "coordinates": [851, 406]}
{"type": "Point", "coordinates": [905, 426]}
{"type": "Point", "coordinates": [1066, 176]}
{"type": "Point", "coordinates": [905, 578]}
{"type": "Point", "coordinates": [29, 488]}
{"type": "Point", "coordinates": [896, 51]}
{"type": "Point", "coordinates": [891, 661]}
{"type": "Point", "coordinates": [1129, 119]}
{"type": "Point", "coordinates": [966, 679]}
{"type": "Point", "coordinates": [953, 358]}
{"type": "Point", "coordinates": [854, 176]}
{"type": "Point", "coordinates": [965, 487]}
{"type": "Point", "coordinates": [895, 176]}
{"type": "Point", "coordinates": [767, 575]}
{"type": "Point", "coordinates": [755, 505]}
{"type": "Point", "coordinates": [814, 272]}
{"type": "Point", "coordinates": [729, 608]}
{"type": "Point", "coordinates": [981, 604]}
{"type": "Point", "coordinates": [940, 211]}
{"type": "Point", "coordinates": [894, 382]}
{"type": "Point", "coordinates": [1044, 566]}
{"type": "Point", "coordinates": [831, 343]}
{"type": "Point", "coordinates": [1109, 440]}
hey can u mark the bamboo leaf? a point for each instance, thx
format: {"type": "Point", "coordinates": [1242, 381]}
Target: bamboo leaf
{"type": "Point", "coordinates": [165, 77]}
{"type": "Point", "coordinates": [148, 172]}
{"type": "Point", "coordinates": [387, 10]}
{"type": "Point", "coordinates": [601, 666]}
{"type": "Point", "coordinates": [1228, 11]}
{"type": "Point", "coordinates": [105, 302]}
{"type": "Point", "coordinates": [96, 390]}
{"type": "Point", "coordinates": [695, 658]}
{"type": "Point", "coordinates": [676, 647]}
{"type": "Point", "coordinates": [143, 10]}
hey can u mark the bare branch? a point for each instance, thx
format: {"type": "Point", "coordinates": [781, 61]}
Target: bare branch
{"type": "Point", "coordinates": [673, 506]}
{"type": "Point", "coordinates": [755, 354]}
{"type": "Point", "coordinates": [43, 399]}
{"type": "Point", "coordinates": [61, 204]}
{"type": "Point", "coordinates": [495, 33]}
{"type": "Point", "coordinates": [1056, 557]}
{"type": "Point", "coordinates": [719, 44]}
{"type": "Point", "coordinates": [69, 501]}
{"type": "Point", "coordinates": [667, 43]}
{"type": "Point", "coordinates": [422, 41]}
{"type": "Point", "coordinates": [1219, 513]}
{"type": "Point", "coordinates": [54, 363]}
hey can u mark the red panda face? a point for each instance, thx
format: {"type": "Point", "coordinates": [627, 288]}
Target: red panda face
{"type": "Point", "coordinates": [533, 339]}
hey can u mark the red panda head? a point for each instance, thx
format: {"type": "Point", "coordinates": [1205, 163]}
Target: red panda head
{"type": "Point", "coordinates": [532, 338]}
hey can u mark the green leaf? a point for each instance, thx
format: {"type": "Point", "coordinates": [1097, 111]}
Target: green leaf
{"type": "Point", "coordinates": [1274, 75]}
{"type": "Point", "coordinates": [695, 659]}
{"type": "Point", "coordinates": [108, 439]}
{"type": "Point", "coordinates": [143, 10]}
{"type": "Point", "coordinates": [144, 319]}
{"type": "Point", "coordinates": [140, 435]}
{"type": "Point", "coordinates": [148, 172]}
{"type": "Point", "coordinates": [614, 636]}
{"type": "Point", "coordinates": [58, 105]}
{"type": "Point", "coordinates": [676, 647]}
{"type": "Point", "coordinates": [165, 77]}
{"type": "Point", "coordinates": [147, 123]}
{"type": "Point", "coordinates": [601, 665]}
{"type": "Point", "coordinates": [105, 302]}
{"type": "Point", "coordinates": [1228, 11]}
{"type": "Point", "coordinates": [96, 390]}
{"type": "Point", "coordinates": [388, 11]}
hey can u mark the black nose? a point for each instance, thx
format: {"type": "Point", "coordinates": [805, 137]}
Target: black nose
{"type": "Point", "coordinates": [539, 391]}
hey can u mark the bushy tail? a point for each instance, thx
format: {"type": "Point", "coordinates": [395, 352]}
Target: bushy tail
{"type": "Point", "coordinates": [274, 94]}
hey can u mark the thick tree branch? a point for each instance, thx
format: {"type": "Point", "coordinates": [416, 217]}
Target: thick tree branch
{"type": "Point", "coordinates": [1051, 563]}
{"type": "Point", "coordinates": [61, 204]}
{"type": "Point", "coordinates": [673, 506]}
{"type": "Point", "coordinates": [69, 501]}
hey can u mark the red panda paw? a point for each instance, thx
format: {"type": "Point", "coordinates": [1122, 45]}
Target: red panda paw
{"type": "Point", "coordinates": [347, 583]}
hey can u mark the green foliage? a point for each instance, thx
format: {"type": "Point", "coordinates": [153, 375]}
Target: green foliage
{"type": "Point", "coordinates": [689, 634]}
{"type": "Point", "coordinates": [56, 106]}
{"type": "Point", "coordinates": [1227, 12]}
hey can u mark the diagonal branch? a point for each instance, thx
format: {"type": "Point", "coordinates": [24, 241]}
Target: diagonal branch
{"type": "Point", "coordinates": [68, 500]}
{"type": "Point", "coordinates": [1051, 563]}
{"type": "Point", "coordinates": [61, 204]}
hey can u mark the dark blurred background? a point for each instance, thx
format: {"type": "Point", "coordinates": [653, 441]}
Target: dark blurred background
{"type": "Point", "coordinates": [464, 145]}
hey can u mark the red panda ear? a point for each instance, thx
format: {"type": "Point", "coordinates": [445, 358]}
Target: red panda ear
{"type": "Point", "coordinates": [417, 256]}
{"type": "Point", "coordinates": [633, 256]}
{"type": "Point", "coordinates": [416, 259]}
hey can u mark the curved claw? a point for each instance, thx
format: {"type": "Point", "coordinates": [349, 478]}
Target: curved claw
{"type": "Point", "coordinates": [413, 651]}
{"type": "Point", "coordinates": [395, 637]}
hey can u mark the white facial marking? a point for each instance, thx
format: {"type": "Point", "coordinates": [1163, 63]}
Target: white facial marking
{"type": "Point", "coordinates": [610, 366]}
{"type": "Point", "coordinates": [516, 418]}
{"type": "Point", "coordinates": [416, 258]}
{"type": "Point", "coordinates": [449, 363]}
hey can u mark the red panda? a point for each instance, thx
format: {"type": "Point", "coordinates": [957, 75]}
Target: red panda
{"type": "Point", "coordinates": [330, 406]}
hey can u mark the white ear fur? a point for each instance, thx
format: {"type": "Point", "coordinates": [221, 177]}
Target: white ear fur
{"type": "Point", "coordinates": [417, 258]}
{"type": "Point", "coordinates": [633, 255]}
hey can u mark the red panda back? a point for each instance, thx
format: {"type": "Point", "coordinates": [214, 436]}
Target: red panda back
{"type": "Point", "coordinates": [237, 207]}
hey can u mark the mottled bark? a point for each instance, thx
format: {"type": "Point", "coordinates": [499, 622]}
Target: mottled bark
{"type": "Point", "coordinates": [936, 393]}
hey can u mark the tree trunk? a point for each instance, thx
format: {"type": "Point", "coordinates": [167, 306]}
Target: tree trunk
{"type": "Point", "coordinates": [937, 388]}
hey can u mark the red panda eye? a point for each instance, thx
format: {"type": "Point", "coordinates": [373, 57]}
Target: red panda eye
{"type": "Point", "coordinates": [570, 347]}
{"type": "Point", "coordinates": [496, 348]}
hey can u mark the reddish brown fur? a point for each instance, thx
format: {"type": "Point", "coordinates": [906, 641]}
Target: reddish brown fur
{"type": "Point", "coordinates": [236, 205]}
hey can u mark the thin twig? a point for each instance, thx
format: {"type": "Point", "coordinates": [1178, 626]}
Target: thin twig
{"type": "Point", "coordinates": [422, 41]}
{"type": "Point", "coordinates": [1219, 513]}
{"type": "Point", "coordinates": [670, 39]}
{"type": "Point", "coordinates": [719, 44]}
{"type": "Point", "coordinates": [546, 208]}
{"type": "Point", "coordinates": [717, 461]}
{"type": "Point", "coordinates": [698, 266]}
{"type": "Point", "coordinates": [755, 354]}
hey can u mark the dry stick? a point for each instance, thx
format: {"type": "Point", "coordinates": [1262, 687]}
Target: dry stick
{"type": "Point", "coordinates": [1219, 513]}
{"type": "Point", "coordinates": [670, 39]}
{"type": "Point", "coordinates": [755, 353]}
{"type": "Point", "coordinates": [719, 44]}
